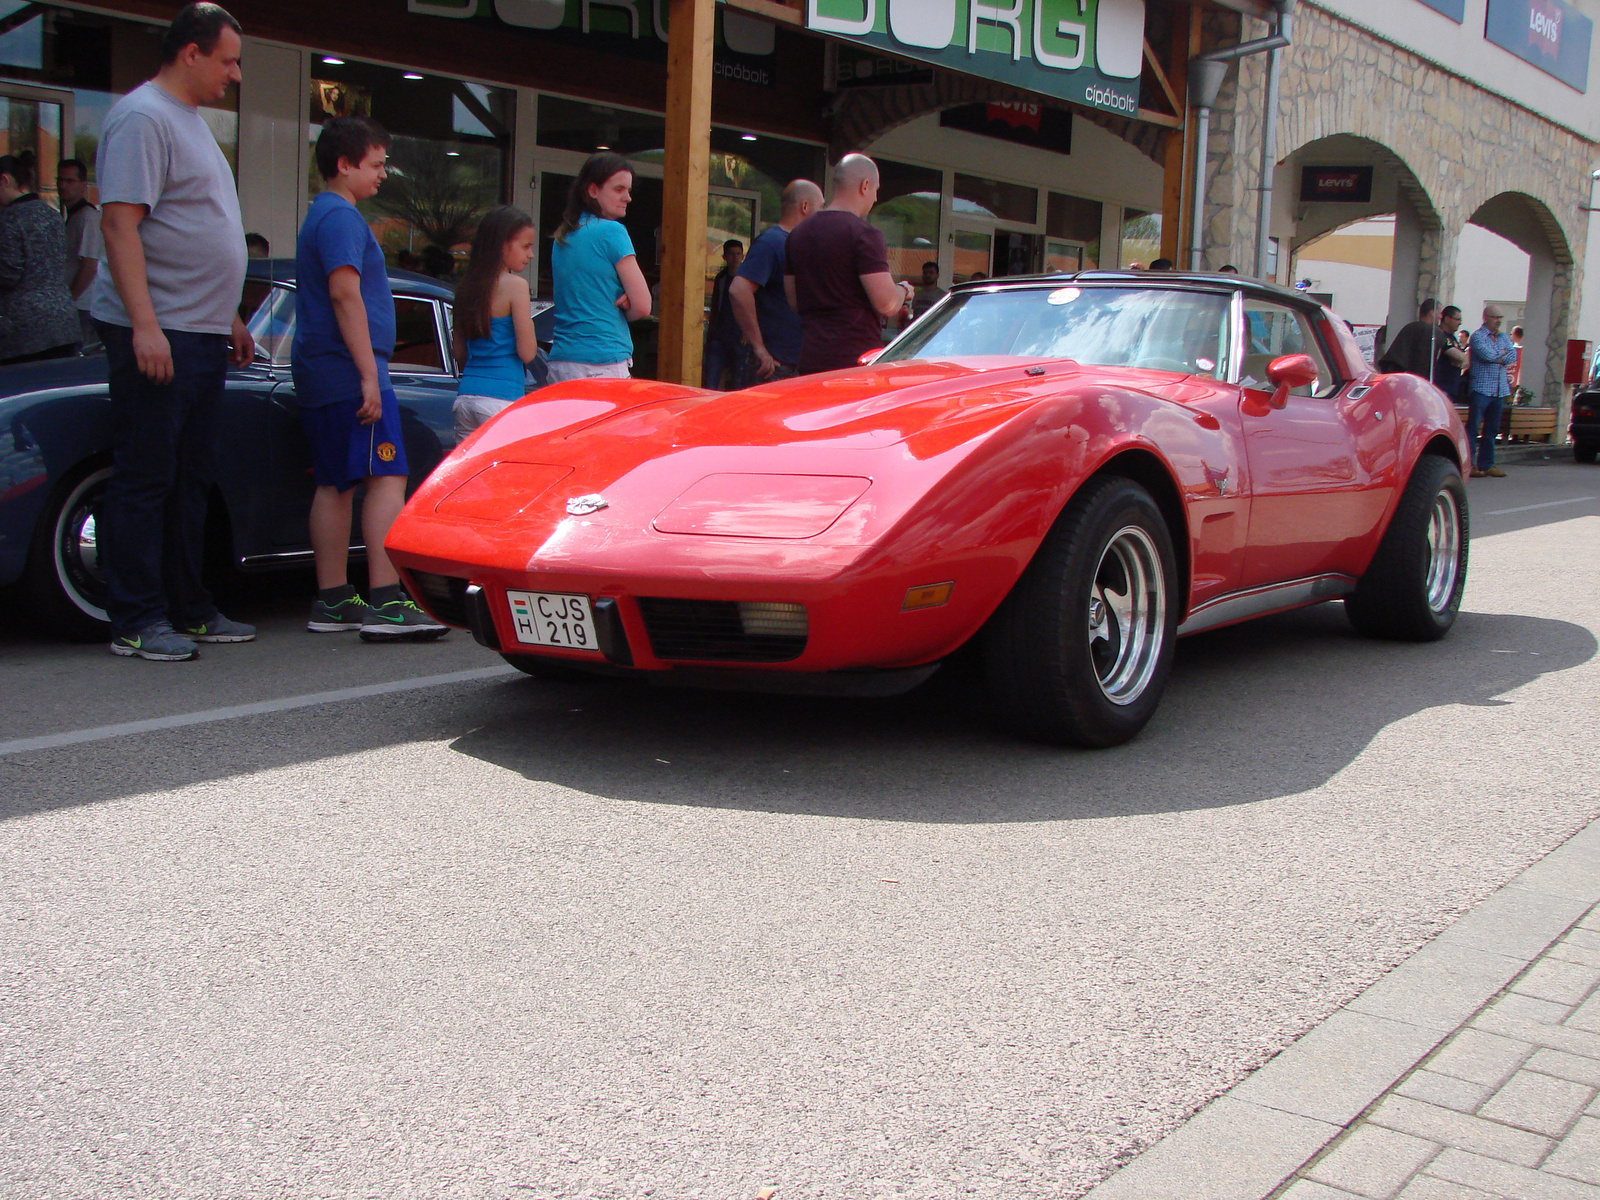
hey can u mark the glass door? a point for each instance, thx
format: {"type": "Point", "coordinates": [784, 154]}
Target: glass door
{"type": "Point", "coordinates": [34, 119]}
{"type": "Point", "coordinates": [1066, 257]}
{"type": "Point", "coordinates": [973, 256]}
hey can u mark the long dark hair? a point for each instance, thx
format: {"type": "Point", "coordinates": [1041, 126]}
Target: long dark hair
{"type": "Point", "coordinates": [20, 168]}
{"type": "Point", "coordinates": [476, 289]}
{"type": "Point", "coordinates": [597, 168]}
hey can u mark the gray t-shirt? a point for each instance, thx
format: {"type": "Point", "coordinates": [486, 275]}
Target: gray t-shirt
{"type": "Point", "coordinates": [159, 152]}
{"type": "Point", "coordinates": [83, 241]}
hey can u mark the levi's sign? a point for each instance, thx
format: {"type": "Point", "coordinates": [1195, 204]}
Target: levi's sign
{"type": "Point", "coordinates": [1341, 185]}
{"type": "Point", "coordinates": [1550, 34]}
{"type": "Point", "coordinates": [1083, 51]}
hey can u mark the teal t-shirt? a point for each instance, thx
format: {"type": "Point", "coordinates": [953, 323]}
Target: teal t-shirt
{"type": "Point", "coordinates": [589, 327]}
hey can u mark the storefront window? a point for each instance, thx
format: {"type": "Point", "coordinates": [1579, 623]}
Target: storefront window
{"type": "Point", "coordinates": [585, 127]}
{"type": "Point", "coordinates": [908, 216]}
{"type": "Point", "coordinates": [448, 163]}
{"type": "Point", "coordinates": [98, 59]}
{"type": "Point", "coordinates": [1072, 228]}
{"type": "Point", "coordinates": [762, 164]}
{"type": "Point", "coordinates": [1141, 238]}
{"type": "Point", "coordinates": [993, 198]}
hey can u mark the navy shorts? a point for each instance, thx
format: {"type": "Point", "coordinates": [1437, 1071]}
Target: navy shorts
{"type": "Point", "coordinates": [344, 451]}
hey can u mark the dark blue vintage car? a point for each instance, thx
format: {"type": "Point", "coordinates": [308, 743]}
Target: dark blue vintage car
{"type": "Point", "coordinates": [55, 455]}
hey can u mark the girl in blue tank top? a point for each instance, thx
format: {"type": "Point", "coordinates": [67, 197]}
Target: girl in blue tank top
{"type": "Point", "coordinates": [493, 336]}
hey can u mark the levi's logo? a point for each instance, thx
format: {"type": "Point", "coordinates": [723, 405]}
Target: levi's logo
{"type": "Point", "coordinates": [1544, 27]}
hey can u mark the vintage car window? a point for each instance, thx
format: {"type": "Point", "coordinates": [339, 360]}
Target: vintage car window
{"type": "Point", "coordinates": [272, 325]}
{"type": "Point", "coordinates": [1271, 331]}
{"type": "Point", "coordinates": [1168, 329]}
{"type": "Point", "coordinates": [416, 337]}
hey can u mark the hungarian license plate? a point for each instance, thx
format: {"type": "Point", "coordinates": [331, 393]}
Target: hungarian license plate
{"type": "Point", "coordinates": [553, 619]}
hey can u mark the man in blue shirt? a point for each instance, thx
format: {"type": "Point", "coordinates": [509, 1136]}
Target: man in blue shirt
{"type": "Point", "coordinates": [1491, 356]}
{"type": "Point", "coordinates": [344, 336]}
{"type": "Point", "coordinates": [770, 327]}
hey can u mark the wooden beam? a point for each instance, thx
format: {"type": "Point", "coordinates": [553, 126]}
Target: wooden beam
{"type": "Point", "coordinates": [1166, 120]}
{"type": "Point", "coordinates": [772, 10]}
{"type": "Point", "coordinates": [1161, 77]}
{"type": "Point", "coordinates": [684, 190]}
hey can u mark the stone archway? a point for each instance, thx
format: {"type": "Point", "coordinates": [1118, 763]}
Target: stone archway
{"type": "Point", "coordinates": [1417, 264]}
{"type": "Point", "coordinates": [1465, 146]}
{"type": "Point", "coordinates": [1528, 224]}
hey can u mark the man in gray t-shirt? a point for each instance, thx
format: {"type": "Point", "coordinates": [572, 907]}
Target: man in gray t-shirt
{"type": "Point", "coordinates": [166, 301]}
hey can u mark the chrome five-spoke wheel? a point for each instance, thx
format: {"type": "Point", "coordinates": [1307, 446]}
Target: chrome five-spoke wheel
{"type": "Point", "coordinates": [1127, 615]}
{"type": "Point", "coordinates": [1444, 549]}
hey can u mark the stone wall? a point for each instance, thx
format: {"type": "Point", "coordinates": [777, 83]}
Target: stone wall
{"type": "Point", "coordinates": [1458, 145]}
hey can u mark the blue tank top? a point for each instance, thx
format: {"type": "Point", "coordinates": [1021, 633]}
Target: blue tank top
{"type": "Point", "coordinates": [493, 368]}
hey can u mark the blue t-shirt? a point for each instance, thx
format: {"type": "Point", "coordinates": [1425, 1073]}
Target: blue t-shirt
{"type": "Point", "coordinates": [336, 235]}
{"type": "Point", "coordinates": [493, 367]}
{"type": "Point", "coordinates": [589, 327]}
{"type": "Point", "coordinates": [780, 324]}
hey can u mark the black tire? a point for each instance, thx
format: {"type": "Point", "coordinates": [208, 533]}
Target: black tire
{"type": "Point", "coordinates": [1051, 676]}
{"type": "Point", "coordinates": [1585, 452]}
{"type": "Point", "coordinates": [1412, 590]}
{"type": "Point", "coordinates": [63, 584]}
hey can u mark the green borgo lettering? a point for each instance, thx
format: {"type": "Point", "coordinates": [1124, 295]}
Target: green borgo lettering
{"type": "Point", "coordinates": [1063, 33]}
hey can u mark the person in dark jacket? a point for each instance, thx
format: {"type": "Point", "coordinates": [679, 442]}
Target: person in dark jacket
{"type": "Point", "coordinates": [37, 316]}
{"type": "Point", "coordinates": [1416, 347]}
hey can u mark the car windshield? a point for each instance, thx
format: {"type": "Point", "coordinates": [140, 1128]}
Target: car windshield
{"type": "Point", "coordinates": [1169, 329]}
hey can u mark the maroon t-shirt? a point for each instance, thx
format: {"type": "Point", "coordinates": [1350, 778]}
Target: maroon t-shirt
{"type": "Point", "coordinates": [827, 255]}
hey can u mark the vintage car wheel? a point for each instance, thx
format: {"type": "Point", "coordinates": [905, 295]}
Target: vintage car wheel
{"type": "Point", "coordinates": [1586, 452]}
{"type": "Point", "coordinates": [1412, 590]}
{"type": "Point", "coordinates": [64, 583]}
{"type": "Point", "coordinates": [1080, 651]}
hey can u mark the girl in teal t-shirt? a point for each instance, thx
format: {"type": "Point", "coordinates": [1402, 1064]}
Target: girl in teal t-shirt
{"type": "Point", "coordinates": [599, 287]}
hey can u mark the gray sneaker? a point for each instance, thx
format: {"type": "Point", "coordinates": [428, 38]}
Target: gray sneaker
{"type": "Point", "coordinates": [400, 621]}
{"type": "Point", "coordinates": [219, 629]}
{"type": "Point", "coordinates": [157, 642]}
{"type": "Point", "coordinates": [349, 613]}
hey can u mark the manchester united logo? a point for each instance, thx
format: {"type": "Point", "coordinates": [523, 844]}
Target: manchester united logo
{"type": "Point", "coordinates": [386, 451]}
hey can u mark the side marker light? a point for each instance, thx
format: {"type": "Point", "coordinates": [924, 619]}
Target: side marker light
{"type": "Point", "coordinates": [929, 595]}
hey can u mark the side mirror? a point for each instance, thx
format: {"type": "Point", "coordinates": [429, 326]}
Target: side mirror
{"type": "Point", "coordinates": [1290, 371]}
{"type": "Point", "coordinates": [871, 356]}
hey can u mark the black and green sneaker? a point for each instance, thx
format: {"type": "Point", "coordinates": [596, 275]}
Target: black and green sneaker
{"type": "Point", "coordinates": [349, 613]}
{"type": "Point", "coordinates": [400, 621]}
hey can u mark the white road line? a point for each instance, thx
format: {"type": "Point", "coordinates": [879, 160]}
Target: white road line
{"type": "Point", "coordinates": [177, 721]}
{"type": "Point", "coordinates": [1500, 512]}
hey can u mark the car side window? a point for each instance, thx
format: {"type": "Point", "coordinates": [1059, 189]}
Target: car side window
{"type": "Point", "coordinates": [1272, 331]}
{"type": "Point", "coordinates": [416, 338]}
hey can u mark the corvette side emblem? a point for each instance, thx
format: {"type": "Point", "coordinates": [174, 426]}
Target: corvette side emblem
{"type": "Point", "coordinates": [582, 506]}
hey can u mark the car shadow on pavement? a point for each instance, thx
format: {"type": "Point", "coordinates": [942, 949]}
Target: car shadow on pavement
{"type": "Point", "coordinates": [1265, 709]}
{"type": "Point", "coordinates": [1261, 710]}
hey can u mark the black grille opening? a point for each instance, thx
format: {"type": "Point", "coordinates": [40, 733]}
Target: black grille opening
{"type": "Point", "coordinates": [723, 630]}
{"type": "Point", "coordinates": [444, 596]}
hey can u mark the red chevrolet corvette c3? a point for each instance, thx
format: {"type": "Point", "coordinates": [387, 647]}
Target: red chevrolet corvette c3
{"type": "Point", "coordinates": [1072, 471]}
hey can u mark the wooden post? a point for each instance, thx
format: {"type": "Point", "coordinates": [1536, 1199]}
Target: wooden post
{"type": "Point", "coordinates": [684, 192]}
{"type": "Point", "coordinates": [1176, 237]}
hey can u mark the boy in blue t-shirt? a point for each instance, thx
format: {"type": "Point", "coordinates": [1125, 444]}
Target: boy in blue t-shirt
{"type": "Point", "coordinates": [344, 336]}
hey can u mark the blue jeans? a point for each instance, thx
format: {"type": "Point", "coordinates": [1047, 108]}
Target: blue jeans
{"type": "Point", "coordinates": [152, 520]}
{"type": "Point", "coordinates": [1483, 422]}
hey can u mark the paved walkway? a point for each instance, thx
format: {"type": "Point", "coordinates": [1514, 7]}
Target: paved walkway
{"type": "Point", "coordinates": [1470, 1072]}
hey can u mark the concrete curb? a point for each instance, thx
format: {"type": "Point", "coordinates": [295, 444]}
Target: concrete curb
{"type": "Point", "coordinates": [1247, 1143]}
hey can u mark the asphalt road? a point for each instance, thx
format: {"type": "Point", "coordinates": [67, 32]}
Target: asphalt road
{"type": "Point", "coordinates": [504, 939]}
